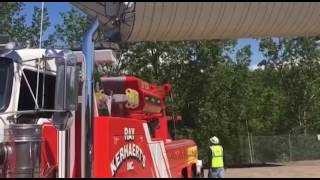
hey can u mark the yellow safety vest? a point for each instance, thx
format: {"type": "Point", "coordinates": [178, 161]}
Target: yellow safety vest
{"type": "Point", "coordinates": [217, 156]}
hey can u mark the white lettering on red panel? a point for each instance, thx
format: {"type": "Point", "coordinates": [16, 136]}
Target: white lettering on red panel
{"type": "Point", "coordinates": [130, 149]}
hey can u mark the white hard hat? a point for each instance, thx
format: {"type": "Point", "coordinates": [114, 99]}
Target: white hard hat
{"type": "Point", "coordinates": [214, 140]}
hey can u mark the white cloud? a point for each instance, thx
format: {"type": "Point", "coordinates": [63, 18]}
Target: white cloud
{"type": "Point", "coordinates": [255, 66]}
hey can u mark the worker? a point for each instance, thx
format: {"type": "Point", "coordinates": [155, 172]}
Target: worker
{"type": "Point", "coordinates": [216, 165]}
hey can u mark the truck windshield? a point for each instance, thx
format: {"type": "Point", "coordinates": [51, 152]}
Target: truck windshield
{"type": "Point", "coordinates": [6, 75]}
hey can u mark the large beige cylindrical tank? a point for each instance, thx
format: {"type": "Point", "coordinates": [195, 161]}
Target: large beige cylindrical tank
{"type": "Point", "coordinates": [173, 21]}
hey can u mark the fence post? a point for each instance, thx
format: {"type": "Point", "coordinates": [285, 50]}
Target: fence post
{"type": "Point", "coordinates": [290, 153]}
{"type": "Point", "coordinates": [250, 153]}
{"type": "Point", "coordinates": [252, 148]}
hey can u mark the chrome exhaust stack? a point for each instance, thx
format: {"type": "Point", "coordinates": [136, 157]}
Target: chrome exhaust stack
{"type": "Point", "coordinates": [87, 103]}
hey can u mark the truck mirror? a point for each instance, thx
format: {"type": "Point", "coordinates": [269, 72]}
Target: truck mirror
{"type": "Point", "coordinates": [66, 87]}
{"type": "Point", "coordinates": [67, 82]}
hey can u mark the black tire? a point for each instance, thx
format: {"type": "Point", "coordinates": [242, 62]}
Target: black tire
{"type": "Point", "coordinates": [184, 173]}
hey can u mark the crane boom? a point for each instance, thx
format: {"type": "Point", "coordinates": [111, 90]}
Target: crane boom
{"type": "Point", "coordinates": [174, 21]}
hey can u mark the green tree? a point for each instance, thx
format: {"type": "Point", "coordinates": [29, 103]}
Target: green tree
{"type": "Point", "coordinates": [294, 64]}
{"type": "Point", "coordinates": [35, 29]}
{"type": "Point", "coordinates": [14, 24]}
{"type": "Point", "coordinates": [8, 13]}
{"type": "Point", "coordinates": [71, 31]}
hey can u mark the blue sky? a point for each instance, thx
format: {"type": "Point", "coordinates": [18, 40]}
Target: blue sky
{"type": "Point", "coordinates": [54, 8]}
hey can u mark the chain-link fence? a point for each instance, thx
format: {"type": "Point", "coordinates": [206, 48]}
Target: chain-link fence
{"type": "Point", "coordinates": [282, 148]}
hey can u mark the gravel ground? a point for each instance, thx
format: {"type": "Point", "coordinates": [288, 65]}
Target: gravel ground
{"type": "Point", "coordinates": [298, 169]}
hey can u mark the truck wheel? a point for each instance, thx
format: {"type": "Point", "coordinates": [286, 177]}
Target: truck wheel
{"type": "Point", "coordinates": [184, 173]}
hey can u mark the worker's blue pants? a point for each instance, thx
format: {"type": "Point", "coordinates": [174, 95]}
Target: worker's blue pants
{"type": "Point", "coordinates": [216, 173]}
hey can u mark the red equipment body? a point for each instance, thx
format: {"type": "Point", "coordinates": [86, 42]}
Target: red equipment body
{"type": "Point", "coordinates": [134, 140]}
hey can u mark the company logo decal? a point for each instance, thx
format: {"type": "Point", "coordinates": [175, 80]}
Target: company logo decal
{"type": "Point", "coordinates": [128, 150]}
